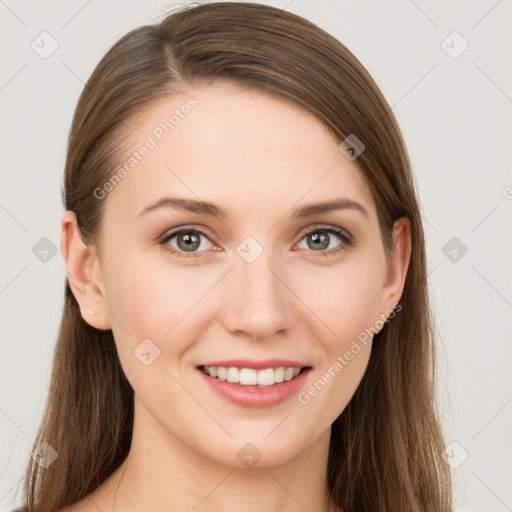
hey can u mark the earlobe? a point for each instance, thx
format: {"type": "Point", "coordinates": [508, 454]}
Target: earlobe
{"type": "Point", "coordinates": [398, 265]}
{"type": "Point", "coordinates": [82, 265]}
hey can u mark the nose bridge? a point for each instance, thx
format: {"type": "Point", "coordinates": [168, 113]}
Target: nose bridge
{"type": "Point", "coordinates": [257, 301]}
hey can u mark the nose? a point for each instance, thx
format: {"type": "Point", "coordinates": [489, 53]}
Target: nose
{"type": "Point", "coordinates": [257, 299]}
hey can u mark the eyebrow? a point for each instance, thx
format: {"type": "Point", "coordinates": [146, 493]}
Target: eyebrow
{"type": "Point", "coordinates": [212, 210]}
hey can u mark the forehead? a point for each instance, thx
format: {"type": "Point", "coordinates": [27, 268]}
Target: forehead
{"type": "Point", "coordinates": [243, 149]}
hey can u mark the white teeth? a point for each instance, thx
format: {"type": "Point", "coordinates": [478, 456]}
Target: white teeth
{"type": "Point", "coordinates": [233, 374]}
{"type": "Point", "coordinates": [248, 377]}
{"type": "Point", "coordinates": [251, 377]}
{"type": "Point", "coordinates": [279, 374]}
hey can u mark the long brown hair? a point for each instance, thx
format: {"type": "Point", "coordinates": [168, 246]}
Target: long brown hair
{"type": "Point", "coordinates": [386, 446]}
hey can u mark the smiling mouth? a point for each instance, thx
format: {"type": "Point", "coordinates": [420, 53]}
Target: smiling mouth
{"type": "Point", "coordinates": [250, 377]}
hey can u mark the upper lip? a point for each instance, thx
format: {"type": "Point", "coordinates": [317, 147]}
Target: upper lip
{"type": "Point", "coordinates": [258, 365]}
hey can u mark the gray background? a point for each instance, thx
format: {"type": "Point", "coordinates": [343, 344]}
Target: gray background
{"type": "Point", "coordinates": [455, 115]}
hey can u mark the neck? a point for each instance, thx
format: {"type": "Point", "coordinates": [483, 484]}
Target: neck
{"type": "Point", "coordinates": [162, 475]}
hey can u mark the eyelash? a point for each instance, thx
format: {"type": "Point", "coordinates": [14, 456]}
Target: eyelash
{"type": "Point", "coordinates": [347, 240]}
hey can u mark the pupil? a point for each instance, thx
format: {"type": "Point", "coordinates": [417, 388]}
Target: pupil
{"type": "Point", "coordinates": [190, 241]}
{"type": "Point", "coordinates": [320, 240]}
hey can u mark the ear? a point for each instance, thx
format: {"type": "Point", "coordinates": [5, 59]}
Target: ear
{"type": "Point", "coordinates": [394, 280]}
{"type": "Point", "coordinates": [84, 273]}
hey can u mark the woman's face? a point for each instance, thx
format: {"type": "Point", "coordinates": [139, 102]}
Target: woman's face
{"type": "Point", "coordinates": [259, 282]}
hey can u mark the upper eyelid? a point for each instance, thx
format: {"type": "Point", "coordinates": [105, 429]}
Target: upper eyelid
{"type": "Point", "coordinates": [320, 226]}
{"type": "Point", "coordinates": [171, 233]}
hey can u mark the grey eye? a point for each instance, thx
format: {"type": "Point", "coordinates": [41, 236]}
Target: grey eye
{"type": "Point", "coordinates": [188, 241]}
{"type": "Point", "coordinates": [320, 239]}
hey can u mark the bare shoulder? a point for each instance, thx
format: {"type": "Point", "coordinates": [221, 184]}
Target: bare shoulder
{"type": "Point", "coordinates": [99, 499]}
{"type": "Point", "coordinates": [102, 498]}
{"type": "Point", "coordinates": [84, 505]}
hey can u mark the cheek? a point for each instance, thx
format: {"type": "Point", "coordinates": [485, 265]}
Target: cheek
{"type": "Point", "coordinates": [154, 306]}
{"type": "Point", "coordinates": [345, 299]}
{"type": "Point", "coordinates": [345, 302]}
{"type": "Point", "coordinates": [155, 301]}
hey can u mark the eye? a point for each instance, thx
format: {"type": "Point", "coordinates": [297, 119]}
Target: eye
{"type": "Point", "coordinates": [188, 240]}
{"type": "Point", "coordinates": [319, 239]}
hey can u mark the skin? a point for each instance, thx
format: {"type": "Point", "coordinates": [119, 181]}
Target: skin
{"type": "Point", "coordinates": [259, 158]}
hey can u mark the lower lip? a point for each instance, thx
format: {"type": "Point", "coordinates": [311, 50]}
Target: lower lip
{"type": "Point", "coordinates": [252, 396]}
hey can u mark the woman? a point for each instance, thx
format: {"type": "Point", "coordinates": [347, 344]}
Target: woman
{"type": "Point", "coordinates": [246, 322]}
